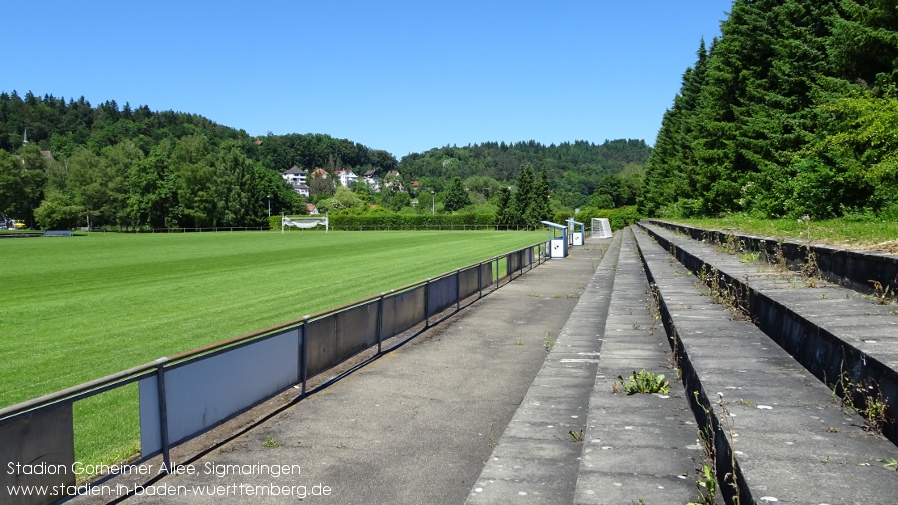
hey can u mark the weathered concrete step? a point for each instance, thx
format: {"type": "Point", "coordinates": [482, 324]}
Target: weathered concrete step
{"type": "Point", "coordinates": [641, 446]}
{"type": "Point", "coordinates": [776, 428]}
{"type": "Point", "coordinates": [831, 330]}
{"type": "Point", "coordinates": [854, 269]}
{"type": "Point", "coordinates": [536, 460]}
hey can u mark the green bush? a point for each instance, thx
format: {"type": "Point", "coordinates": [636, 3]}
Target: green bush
{"type": "Point", "coordinates": [619, 218]}
{"type": "Point", "coordinates": [392, 221]}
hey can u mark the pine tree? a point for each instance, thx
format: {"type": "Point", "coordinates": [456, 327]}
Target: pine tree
{"type": "Point", "coordinates": [502, 210]}
{"type": "Point", "coordinates": [521, 200]}
{"type": "Point", "coordinates": [540, 208]}
{"type": "Point", "coordinates": [456, 198]}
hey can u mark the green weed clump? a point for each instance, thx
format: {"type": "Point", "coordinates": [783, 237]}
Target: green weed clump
{"type": "Point", "coordinates": [644, 382]}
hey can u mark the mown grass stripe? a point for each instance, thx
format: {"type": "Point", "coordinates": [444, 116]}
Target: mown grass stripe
{"type": "Point", "coordinates": [74, 309]}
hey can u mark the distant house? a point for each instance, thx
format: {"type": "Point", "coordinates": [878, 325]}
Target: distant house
{"type": "Point", "coordinates": [295, 175]}
{"type": "Point", "coordinates": [372, 180]}
{"type": "Point", "coordinates": [346, 177]}
{"type": "Point", "coordinates": [312, 209]}
{"type": "Point", "coordinates": [301, 189]}
{"type": "Point", "coordinates": [318, 172]}
{"type": "Point", "coordinates": [393, 181]}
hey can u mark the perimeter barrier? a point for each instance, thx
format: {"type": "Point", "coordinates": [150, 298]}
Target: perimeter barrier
{"type": "Point", "coordinates": [185, 395]}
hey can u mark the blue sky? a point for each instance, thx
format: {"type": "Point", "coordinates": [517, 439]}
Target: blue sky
{"type": "Point", "coordinates": [404, 76]}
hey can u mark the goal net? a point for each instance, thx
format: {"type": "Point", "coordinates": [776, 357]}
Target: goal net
{"type": "Point", "coordinates": [304, 222]}
{"type": "Point", "coordinates": [601, 227]}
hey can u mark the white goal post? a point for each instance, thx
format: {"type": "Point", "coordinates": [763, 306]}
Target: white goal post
{"type": "Point", "coordinates": [601, 227]}
{"type": "Point", "coordinates": [304, 222]}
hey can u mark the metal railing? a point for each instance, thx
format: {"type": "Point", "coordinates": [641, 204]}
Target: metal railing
{"type": "Point", "coordinates": [187, 394]}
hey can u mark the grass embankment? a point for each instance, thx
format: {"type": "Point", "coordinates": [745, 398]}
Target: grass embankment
{"type": "Point", "coordinates": [76, 309]}
{"type": "Point", "coordinates": [852, 234]}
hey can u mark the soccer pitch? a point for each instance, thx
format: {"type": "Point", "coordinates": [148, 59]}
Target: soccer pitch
{"type": "Point", "coordinates": [76, 309]}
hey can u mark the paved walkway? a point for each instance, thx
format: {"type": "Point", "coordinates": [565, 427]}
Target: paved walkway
{"type": "Point", "coordinates": [416, 426]}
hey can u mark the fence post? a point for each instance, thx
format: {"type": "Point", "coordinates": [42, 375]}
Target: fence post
{"type": "Point", "coordinates": [163, 411]}
{"type": "Point", "coordinates": [304, 359]}
{"type": "Point", "coordinates": [480, 281]}
{"type": "Point", "coordinates": [427, 303]}
{"type": "Point", "coordinates": [458, 290]}
{"type": "Point", "coordinates": [380, 322]}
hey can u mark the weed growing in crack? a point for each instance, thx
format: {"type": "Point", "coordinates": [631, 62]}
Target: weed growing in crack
{"type": "Point", "coordinates": [875, 407]}
{"type": "Point", "coordinates": [707, 487]}
{"type": "Point", "coordinates": [882, 295]}
{"type": "Point", "coordinates": [749, 257]}
{"type": "Point", "coordinates": [779, 259]}
{"type": "Point", "coordinates": [728, 420]}
{"type": "Point", "coordinates": [810, 269]}
{"type": "Point", "coordinates": [872, 406]}
{"type": "Point", "coordinates": [733, 245]}
{"type": "Point", "coordinates": [726, 293]}
{"type": "Point", "coordinates": [888, 462]}
{"type": "Point", "coordinates": [576, 436]}
{"type": "Point", "coordinates": [707, 437]}
{"type": "Point", "coordinates": [643, 382]}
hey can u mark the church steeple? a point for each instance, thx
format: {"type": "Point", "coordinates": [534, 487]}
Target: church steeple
{"type": "Point", "coordinates": [25, 140]}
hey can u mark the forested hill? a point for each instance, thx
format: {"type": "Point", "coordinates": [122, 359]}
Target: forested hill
{"type": "Point", "coordinates": [132, 167]}
{"type": "Point", "coordinates": [574, 169]}
{"type": "Point", "coordinates": [61, 126]}
{"type": "Point", "coordinates": [792, 111]}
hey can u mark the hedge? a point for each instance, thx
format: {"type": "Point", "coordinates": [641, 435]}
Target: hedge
{"type": "Point", "coordinates": [619, 218]}
{"type": "Point", "coordinates": [393, 221]}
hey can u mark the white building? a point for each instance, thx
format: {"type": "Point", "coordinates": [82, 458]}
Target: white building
{"type": "Point", "coordinates": [346, 177]}
{"type": "Point", "coordinates": [301, 189]}
{"type": "Point", "coordinates": [295, 175]}
{"type": "Point", "coordinates": [372, 180]}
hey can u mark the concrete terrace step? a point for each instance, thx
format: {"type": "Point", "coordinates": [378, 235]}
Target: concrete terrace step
{"type": "Point", "coordinates": [641, 446]}
{"type": "Point", "coordinates": [776, 427]}
{"type": "Point", "coordinates": [831, 330]}
{"type": "Point", "coordinates": [536, 460]}
{"type": "Point", "coordinates": [631, 448]}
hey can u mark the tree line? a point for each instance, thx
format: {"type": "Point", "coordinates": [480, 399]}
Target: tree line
{"type": "Point", "coordinates": [574, 169]}
{"type": "Point", "coordinates": [792, 111]}
{"type": "Point", "coordinates": [131, 167]}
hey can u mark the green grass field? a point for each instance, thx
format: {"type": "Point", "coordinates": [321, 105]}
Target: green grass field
{"type": "Point", "coordinates": [78, 308]}
{"type": "Point", "coordinates": [75, 309]}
